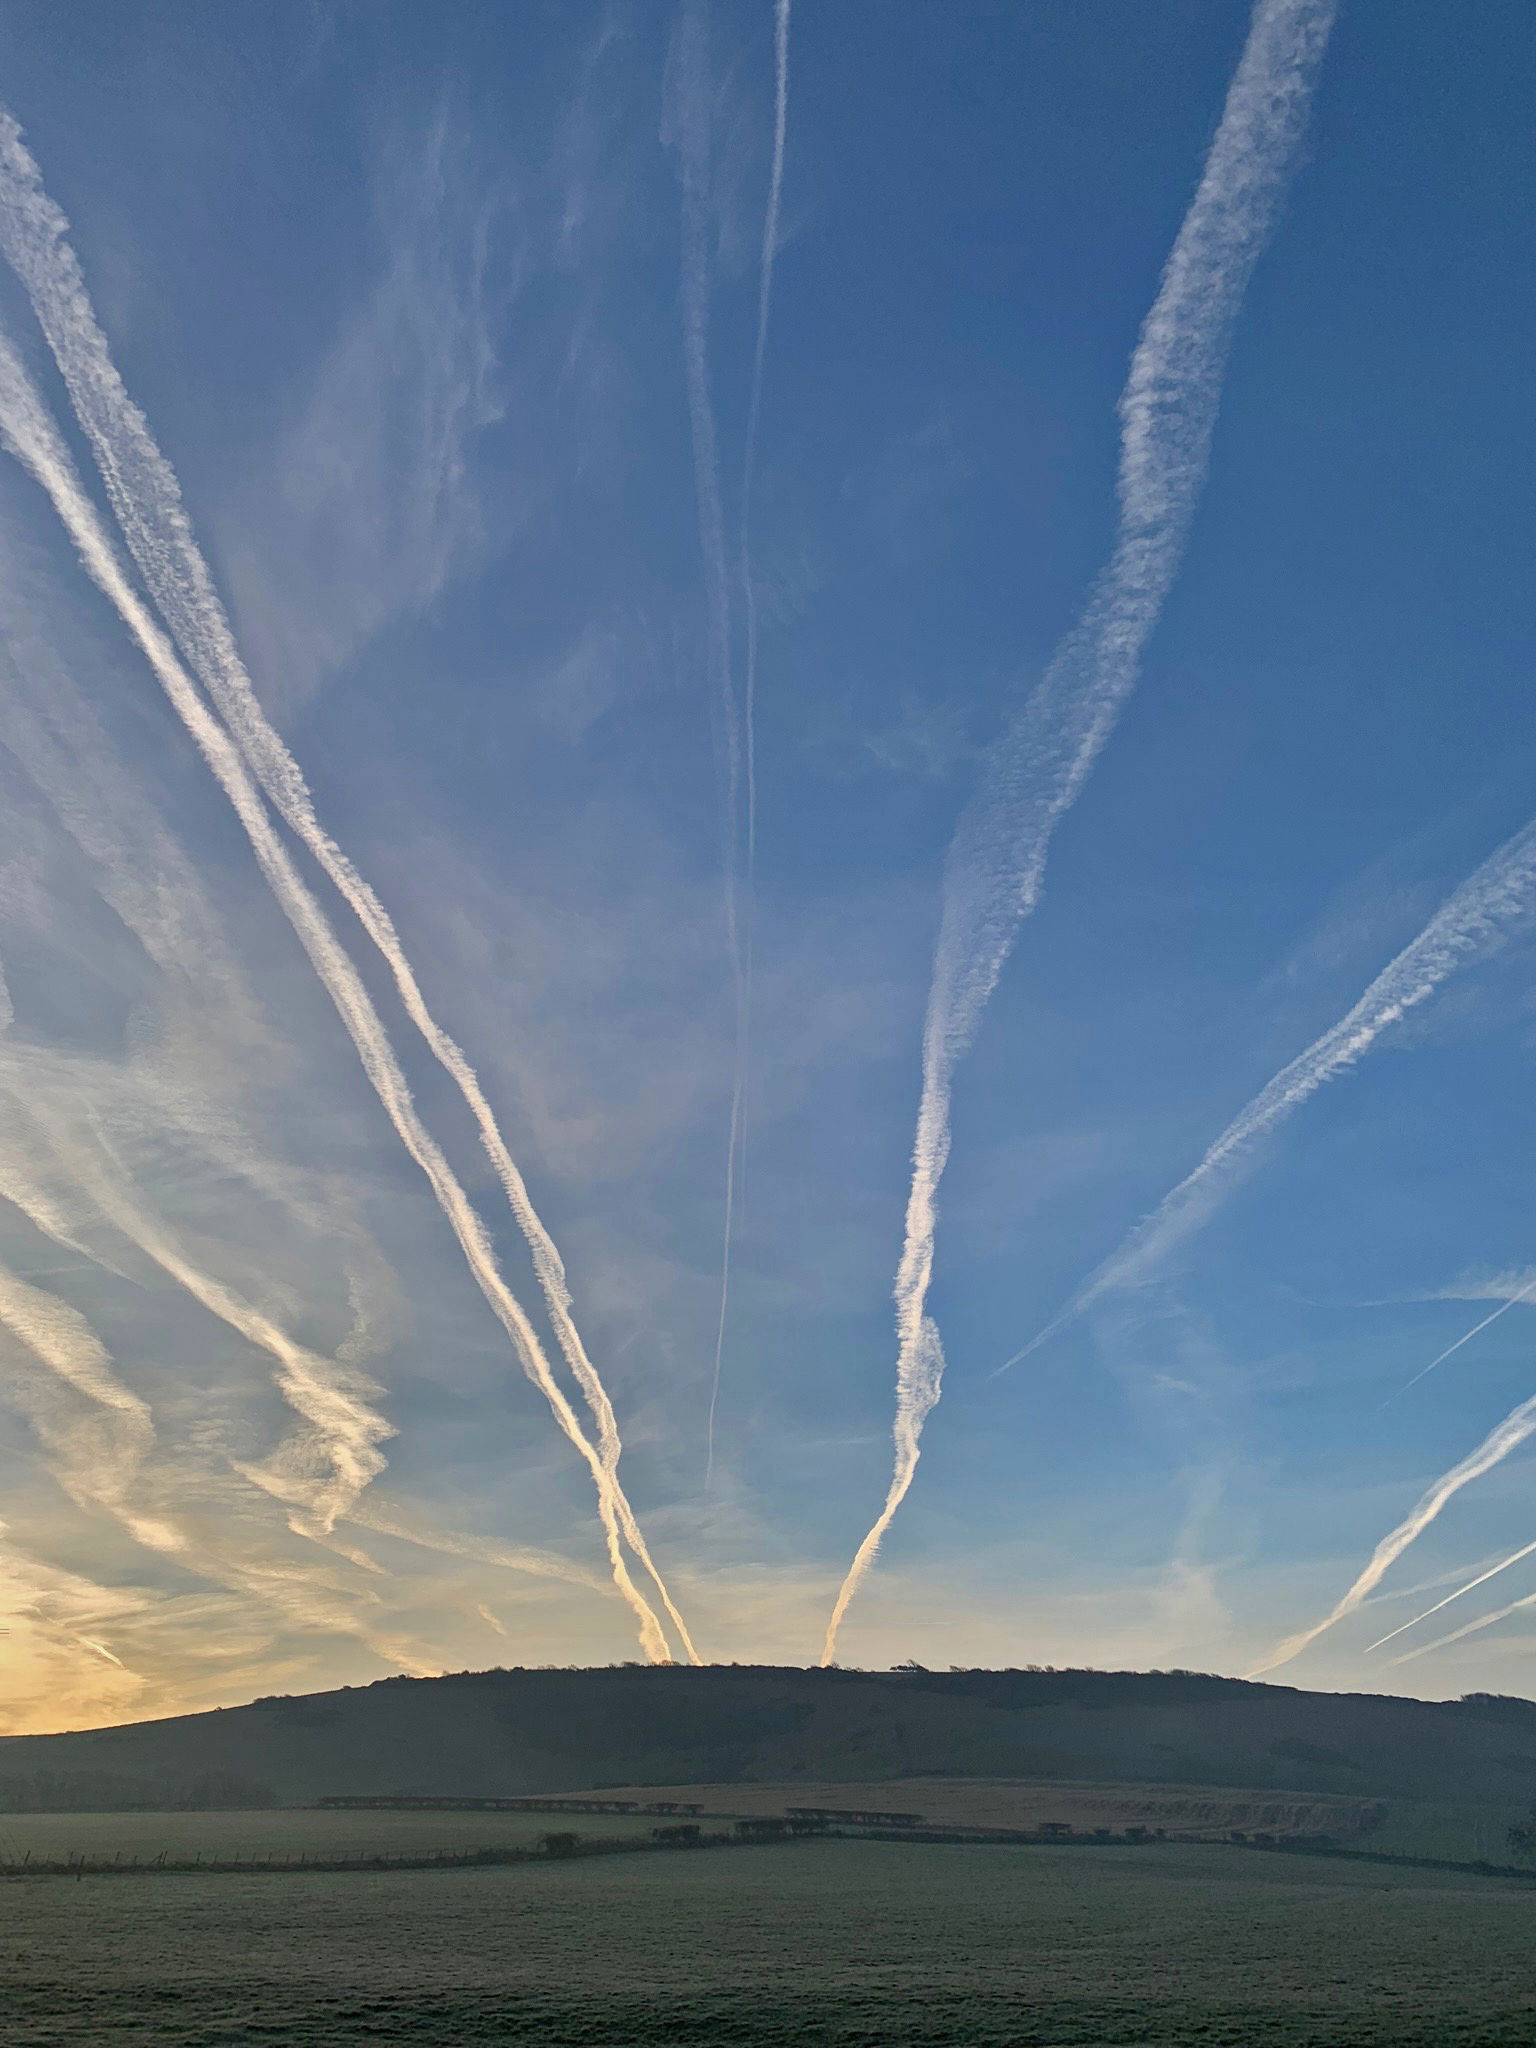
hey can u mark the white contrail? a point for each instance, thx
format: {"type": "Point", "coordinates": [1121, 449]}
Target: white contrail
{"type": "Point", "coordinates": [100, 1464]}
{"type": "Point", "coordinates": [690, 135]}
{"type": "Point", "coordinates": [1476, 1331]}
{"type": "Point", "coordinates": [29, 433]}
{"type": "Point", "coordinates": [101, 1461]}
{"type": "Point", "coordinates": [1470, 1628]}
{"type": "Point", "coordinates": [386, 1518]}
{"type": "Point", "coordinates": [1467, 923]}
{"type": "Point", "coordinates": [736, 1161]}
{"type": "Point", "coordinates": [1470, 1586]}
{"type": "Point", "coordinates": [1032, 776]}
{"type": "Point", "coordinates": [1517, 1425]}
{"type": "Point", "coordinates": [147, 501]}
{"type": "Point", "coordinates": [335, 1400]}
{"type": "Point", "coordinates": [146, 498]}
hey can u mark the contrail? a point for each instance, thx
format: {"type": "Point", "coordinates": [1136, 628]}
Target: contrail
{"type": "Point", "coordinates": [1517, 1425]}
{"type": "Point", "coordinates": [1470, 920]}
{"type": "Point", "coordinates": [1470, 1587]}
{"type": "Point", "coordinates": [1470, 1628]}
{"type": "Point", "coordinates": [1034, 773]}
{"type": "Point", "coordinates": [1476, 1331]}
{"type": "Point", "coordinates": [736, 1159]}
{"type": "Point", "coordinates": [146, 498]}
{"type": "Point", "coordinates": [689, 133]}
{"type": "Point", "coordinates": [29, 433]}
{"type": "Point", "coordinates": [334, 1400]}
{"type": "Point", "coordinates": [387, 1519]}
{"type": "Point", "coordinates": [101, 1463]}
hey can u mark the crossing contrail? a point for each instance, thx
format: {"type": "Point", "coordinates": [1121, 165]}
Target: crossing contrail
{"type": "Point", "coordinates": [1507, 1436]}
{"type": "Point", "coordinates": [1471, 1586]}
{"type": "Point", "coordinates": [30, 434]}
{"type": "Point", "coordinates": [1470, 921]}
{"type": "Point", "coordinates": [1035, 771]}
{"type": "Point", "coordinates": [146, 499]}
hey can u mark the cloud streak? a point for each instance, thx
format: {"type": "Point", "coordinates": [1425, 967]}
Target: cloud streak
{"type": "Point", "coordinates": [1471, 921]}
{"type": "Point", "coordinates": [1470, 1628]}
{"type": "Point", "coordinates": [1507, 1436]}
{"type": "Point", "coordinates": [1034, 773]}
{"type": "Point", "coordinates": [32, 437]}
{"type": "Point", "coordinates": [146, 499]}
{"type": "Point", "coordinates": [689, 132]}
{"type": "Point", "coordinates": [1471, 1585]}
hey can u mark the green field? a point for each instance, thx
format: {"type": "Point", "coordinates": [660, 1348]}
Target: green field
{"type": "Point", "coordinates": [48, 1837]}
{"type": "Point", "coordinates": [822, 1943]}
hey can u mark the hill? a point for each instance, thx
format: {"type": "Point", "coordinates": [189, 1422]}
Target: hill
{"type": "Point", "coordinates": [510, 1732]}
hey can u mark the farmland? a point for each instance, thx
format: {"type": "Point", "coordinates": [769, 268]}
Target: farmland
{"type": "Point", "coordinates": [1210, 1811]}
{"type": "Point", "coordinates": [828, 1942]}
{"type": "Point", "coordinates": [301, 1832]}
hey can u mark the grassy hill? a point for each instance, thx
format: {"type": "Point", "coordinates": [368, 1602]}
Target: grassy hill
{"type": "Point", "coordinates": [508, 1732]}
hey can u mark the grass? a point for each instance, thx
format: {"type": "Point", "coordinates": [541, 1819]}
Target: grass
{"type": "Point", "coordinates": [848, 1944]}
{"type": "Point", "coordinates": [1211, 1810]}
{"type": "Point", "coordinates": [295, 1832]}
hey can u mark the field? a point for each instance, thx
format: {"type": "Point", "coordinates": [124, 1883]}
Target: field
{"type": "Point", "coordinates": [1209, 1810]}
{"type": "Point", "coordinates": [847, 1944]}
{"type": "Point", "coordinates": [220, 1836]}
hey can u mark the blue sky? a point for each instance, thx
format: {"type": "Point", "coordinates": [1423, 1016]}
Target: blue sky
{"type": "Point", "coordinates": [405, 298]}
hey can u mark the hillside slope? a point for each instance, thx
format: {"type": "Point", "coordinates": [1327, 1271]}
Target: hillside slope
{"type": "Point", "coordinates": [508, 1732]}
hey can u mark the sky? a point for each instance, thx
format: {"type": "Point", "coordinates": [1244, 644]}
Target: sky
{"type": "Point", "coordinates": [767, 882]}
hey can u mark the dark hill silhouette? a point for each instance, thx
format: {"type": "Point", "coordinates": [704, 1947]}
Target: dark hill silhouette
{"type": "Point", "coordinates": [532, 1731]}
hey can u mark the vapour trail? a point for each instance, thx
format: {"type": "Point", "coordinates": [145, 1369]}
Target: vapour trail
{"type": "Point", "coordinates": [1507, 1436]}
{"type": "Point", "coordinates": [146, 498]}
{"type": "Point", "coordinates": [1035, 771]}
{"type": "Point", "coordinates": [690, 135]}
{"type": "Point", "coordinates": [100, 1463]}
{"type": "Point", "coordinates": [1470, 1628]}
{"type": "Point", "coordinates": [1476, 1331]}
{"type": "Point", "coordinates": [334, 1400]}
{"type": "Point", "coordinates": [330, 1395]}
{"type": "Point", "coordinates": [1471, 919]}
{"type": "Point", "coordinates": [1470, 1587]}
{"type": "Point", "coordinates": [736, 1160]}
{"type": "Point", "coordinates": [103, 1466]}
{"type": "Point", "coordinates": [28, 431]}
{"type": "Point", "coordinates": [385, 1518]}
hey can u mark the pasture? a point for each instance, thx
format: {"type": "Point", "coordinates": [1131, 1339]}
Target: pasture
{"type": "Point", "coordinates": [292, 1832]}
{"type": "Point", "coordinates": [842, 1943]}
{"type": "Point", "coordinates": [1210, 1811]}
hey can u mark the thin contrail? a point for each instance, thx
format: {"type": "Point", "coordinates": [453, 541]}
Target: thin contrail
{"type": "Point", "coordinates": [691, 137]}
{"type": "Point", "coordinates": [146, 498]}
{"type": "Point", "coordinates": [1466, 924]}
{"type": "Point", "coordinates": [736, 1160]}
{"type": "Point", "coordinates": [1470, 1628]}
{"type": "Point", "coordinates": [385, 1518]}
{"type": "Point", "coordinates": [31, 436]}
{"type": "Point", "coordinates": [1471, 1586]}
{"type": "Point", "coordinates": [1034, 773]}
{"type": "Point", "coordinates": [1476, 1331]}
{"type": "Point", "coordinates": [1517, 1425]}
